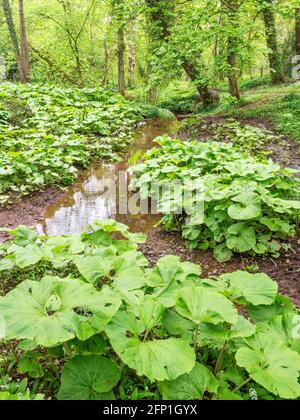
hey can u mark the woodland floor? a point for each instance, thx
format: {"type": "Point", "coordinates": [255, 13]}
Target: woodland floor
{"type": "Point", "coordinates": [285, 270]}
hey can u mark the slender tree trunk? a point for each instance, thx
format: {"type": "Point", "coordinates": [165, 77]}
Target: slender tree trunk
{"type": "Point", "coordinates": [24, 55]}
{"type": "Point", "coordinates": [77, 60]}
{"type": "Point", "coordinates": [232, 43]}
{"type": "Point", "coordinates": [262, 71]}
{"type": "Point", "coordinates": [298, 31]}
{"type": "Point", "coordinates": [105, 66]}
{"type": "Point", "coordinates": [121, 61]}
{"type": "Point", "coordinates": [232, 76]}
{"type": "Point", "coordinates": [118, 12]}
{"type": "Point", "coordinates": [13, 36]}
{"type": "Point", "coordinates": [271, 37]}
{"type": "Point", "coordinates": [131, 61]}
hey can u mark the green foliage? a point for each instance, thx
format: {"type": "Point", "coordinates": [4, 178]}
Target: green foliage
{"type": "Point", "coordinates": [280, 105]}
{"type": "Point", "coordinates": [58, 131]}
{"type": "Point", "coordinates": [160, 332]}
{"type": "Point", "coordinates": [255, 83]}
{"type": "Point", "coordinates": [16, 390]}
{"type": "Point", "coordinates": [244, 137]}
{"type": "Point", "coordinates": [249, 204]}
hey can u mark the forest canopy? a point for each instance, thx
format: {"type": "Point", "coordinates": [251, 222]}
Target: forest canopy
{"type": "Point", "coordinates": [141, 46]}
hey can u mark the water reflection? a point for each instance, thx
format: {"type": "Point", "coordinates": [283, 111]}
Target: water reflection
{"type": "Point", "coordinates": [88, 199]}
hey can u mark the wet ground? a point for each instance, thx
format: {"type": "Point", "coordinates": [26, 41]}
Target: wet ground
{"type": "Point", "coordinates": [92, 197]}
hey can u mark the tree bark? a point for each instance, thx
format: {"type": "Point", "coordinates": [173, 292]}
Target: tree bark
{"type": "Point", "coordinates": [271, 37]}
{"type": "Point", "coordinates": [105, 66]}
{"type": "Point", "coordinates": [24, 52]}
{"type": "Point", "coordinates": [131, 61]}
{"type": "Point", "coordinates": [232, 43]}
{"type": "Point", "coordinates": [121, 62]}
{"type": "Point", "coordinates": [298, 31]}
{"type": "Point", "coordinates": [13, 36]}
{"type": "Point", "coordinates": [118, 11]}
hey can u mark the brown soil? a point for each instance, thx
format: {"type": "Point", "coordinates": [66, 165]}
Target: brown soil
{"type": "Point", "coordinates": [29, 210]}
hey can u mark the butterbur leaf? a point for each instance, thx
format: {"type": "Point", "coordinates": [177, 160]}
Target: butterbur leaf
{"type": "Point", "coordinates": [30, 363]}
{"type": "Point", "coordinates": [28, 255]}
{"type": "Point", "coordinates": [257, 289]}
{"type": "Point", "coordinates": [272, 364]}
{"type": "Point", "coordinates": [177, 325]}
{"type": "Point", "coordinates": [248, 207]}
{"type": "Point", "coordinates": [128, 276]}
{"type": "Point", "coordinates": [156, 359]}
{"type": "Point", "coordinates": [7, 264]}
{"type": "Point", "coordinates": [242, 238]}
{"type": "Point", "coordinates": [89, 378]}
{"type": "Point", "coordinates": [199, 304]}
{"type": "Point", "coordinates": [222, 253]}
{"type": "Point", "coordinates": [261, 313]}
{"type": "Point", "coordinates": [150, 312]}
{"type": "Point", "coordinates": [190, 386]}
{"type": "Point", "coordinates": [94, 268]}
{"type": "Point", "coordinates": [47, 311]}
{"type": "Point", "coordinates": [221, 332]}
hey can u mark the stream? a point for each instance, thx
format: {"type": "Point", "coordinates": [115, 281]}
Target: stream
{"type": "Point", "coordinates": [88, 200]}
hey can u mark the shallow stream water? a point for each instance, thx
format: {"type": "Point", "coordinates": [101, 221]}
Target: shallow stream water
{"type": "Point", "coordinates": [89, 199]}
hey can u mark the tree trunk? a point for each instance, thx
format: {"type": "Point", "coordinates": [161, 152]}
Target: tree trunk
{"type": "Point", "coordinates": [77, 59]}
{"type": "Point", "coordinates": [121, 65]}
{"type": "Point", "coordinates": [232, 43]}
{"type": "Point", "coordinates": [131, 61]}
{"type": "Point", "coordinates": [24, 55]}
{"type": "Point", "coordinates": [13, 36]}
{"type": "Point", "coordinates": [271, 37]}
{"type": "Point", "coordinates": [298, 31]}
{"type": "Point", "coordinates": [118, 12]}
{"type": "Point", "coordinates": [105, 66]}
{"type": "Point", "coordinates": [232, 76]}
{"type": "Point", "coordinates": [206, 95]}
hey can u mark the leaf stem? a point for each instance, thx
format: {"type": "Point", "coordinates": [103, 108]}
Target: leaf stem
{"type": "Point", "coordinates": [242, 385]}
{"type": "Point", "coordinates": [67, 349]}
{"type": "Point", "coordinates": [220, 360]}
{"type": "Point", "coordinates": [196, 333]}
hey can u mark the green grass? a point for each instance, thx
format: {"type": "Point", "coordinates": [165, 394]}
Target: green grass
{"type": "Point", "coordinates": [280, 104]}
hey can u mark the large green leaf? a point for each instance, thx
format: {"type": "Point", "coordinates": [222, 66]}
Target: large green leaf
{"type": "Point", "coordinates": [168, 275]}
{"type": "Point", "coordinates": [262, 313]}
{"type": "Point", "coordinates": [248, 206]}
{"type": "Point", "coordinates": [52, 311]}
{"type": "Point", "coordinates": [157, 359]}
{"type": "Point", "coordinates": [257, 289]}
{"type": "Point", "coordinates": [94, 268]}
{"type": "Point", "coordinates": [242, 238]}
{"type": "Point", "coordinates": [221, 333]}
{"type": "Point", "coordinates": [28, 255]}
{"type": "Point", "coordinates": [190, 386]}
{"type": "Point", "coordinates": [89, 378]}
{"type": "Point", "coordinates": [271, 364]}
{"type": "Point", "coordinates": [200, 304]}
